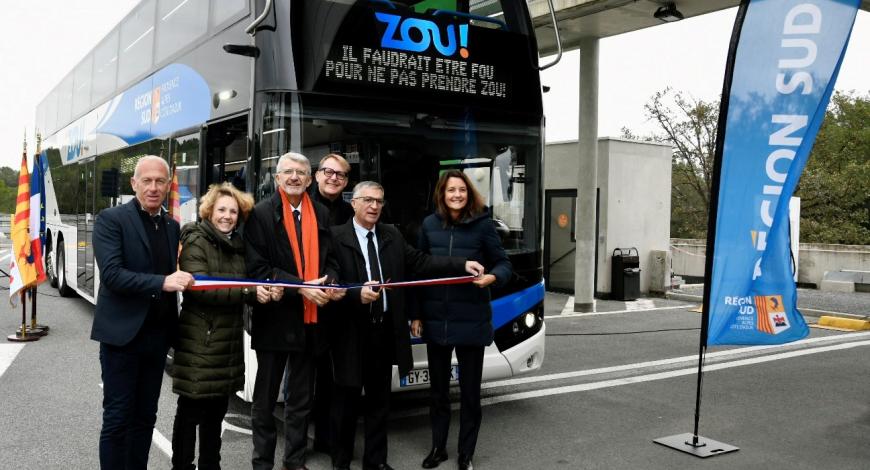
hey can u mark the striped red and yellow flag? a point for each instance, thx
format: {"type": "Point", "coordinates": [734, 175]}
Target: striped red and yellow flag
{"type": "Point", "coordinates": [24, 273]}
{"type": "Point", "coordinates": [174, 197]}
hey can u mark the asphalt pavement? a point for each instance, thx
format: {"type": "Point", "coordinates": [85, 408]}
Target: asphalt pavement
{"type": "Point", "coordinates": [612, 381]}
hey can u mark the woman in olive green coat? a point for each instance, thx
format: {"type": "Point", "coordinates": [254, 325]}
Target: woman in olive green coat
{"type": "Point", "coordinates": [208, 364]}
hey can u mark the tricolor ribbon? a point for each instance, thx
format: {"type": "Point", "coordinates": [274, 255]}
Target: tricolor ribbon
{"type": "Point", "coordinates": [210, 283]}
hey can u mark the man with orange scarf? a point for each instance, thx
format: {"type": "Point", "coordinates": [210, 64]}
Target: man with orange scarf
{"type": "Point", "coordinates": [287, 239]}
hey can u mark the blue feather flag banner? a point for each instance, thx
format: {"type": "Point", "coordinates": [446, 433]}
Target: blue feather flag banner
{"type": "Point", "coordinates": [782, 65]}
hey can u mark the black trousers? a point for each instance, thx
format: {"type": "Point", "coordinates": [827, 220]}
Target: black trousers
{"type": "Point", "coordinates": [322, 402]}
{"type": "Point", "coordinates": [470, 370]}
{"type": "Point", "coordinates": [132, 376]}
{"type": "Point", "coordinates": [376, 376]}
{"type": "Point", "coordinates": [208, 414]}
{"type": "Point", "coordinates": [297, 407]}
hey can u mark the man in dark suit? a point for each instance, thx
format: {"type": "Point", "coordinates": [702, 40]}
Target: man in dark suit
{"type": "Point", "coordinates": [136, 248]}
{"type": "Point", "coordinates": [372, 333]}
{"type": "Point", "coordinates": [331, 177]}
{"type": "Point", "coordinates": [287, 239]}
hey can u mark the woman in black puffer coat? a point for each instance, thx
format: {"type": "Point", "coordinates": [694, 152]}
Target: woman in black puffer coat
{"type": "Point", "coordinates": [458, 316]}
{"type": "Point", "coordinates": [208, 364]}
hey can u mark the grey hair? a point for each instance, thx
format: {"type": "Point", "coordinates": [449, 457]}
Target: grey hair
{"type": "Point", "coordinates": [150, 158]}
{"type": "Point", "coordinates": [295, 157]}
{"type": "Point", "coordinates": [365, 185]}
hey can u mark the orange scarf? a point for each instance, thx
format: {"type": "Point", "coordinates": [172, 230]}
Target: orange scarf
{"type": "Point", "coordinates": [310, 246]}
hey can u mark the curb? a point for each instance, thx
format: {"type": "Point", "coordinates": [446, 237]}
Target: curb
{"type": "Point", "coordinates": [686, 297]}
{"type": "Point", "coordinates": [844, 323]}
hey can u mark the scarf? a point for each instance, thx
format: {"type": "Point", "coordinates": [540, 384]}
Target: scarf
{"type": "Point", "coordinates": [310, 246]}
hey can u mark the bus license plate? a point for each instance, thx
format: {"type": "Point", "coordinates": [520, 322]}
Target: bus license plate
{"type": "Point", "coordinates": [421, 377]}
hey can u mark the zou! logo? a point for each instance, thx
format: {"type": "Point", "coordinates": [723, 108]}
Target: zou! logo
{"type": "Point", "coordinates": [418, 35]}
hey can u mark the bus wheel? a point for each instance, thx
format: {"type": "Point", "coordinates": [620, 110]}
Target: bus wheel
{"type": "Point", "coordinates": [50, 266]}
{"type": "Point", "coordinates": [62, 287]}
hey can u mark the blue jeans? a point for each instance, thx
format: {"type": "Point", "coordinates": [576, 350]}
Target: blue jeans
{"type": "Point", "coordinates": [132, 375]}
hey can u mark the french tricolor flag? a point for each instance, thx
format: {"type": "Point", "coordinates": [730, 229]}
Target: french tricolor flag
{"type": "Point", "coordinates": [37, 216]}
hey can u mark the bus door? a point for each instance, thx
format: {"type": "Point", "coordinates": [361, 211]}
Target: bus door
{"type": "Point", "coordinates": [85, 227]}
{"type": "Point", "coordinates": [184, 155]}
{"type": "Point", "coordinates": [226, 152]}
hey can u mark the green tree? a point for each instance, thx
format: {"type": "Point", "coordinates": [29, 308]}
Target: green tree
{"type": "Point", "coordinates": [9, 177]}
{"type": "Point", "coordinates": [7, 196]}
{"type": "Point", "coordinates": [689, 125]}
{"type": "Point", "coordinates": [835, 186]}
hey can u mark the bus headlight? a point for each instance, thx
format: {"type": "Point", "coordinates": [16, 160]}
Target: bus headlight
{"type": "Point", "coordinates": [530, 319]}
{"type": "Point", "coordinates": [523, 326]}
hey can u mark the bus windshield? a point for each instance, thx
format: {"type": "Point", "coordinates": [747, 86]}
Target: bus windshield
{"type": "Point", "coordinates": [480, 54]}
{"type": "Point", "coordinates": [406, 151]}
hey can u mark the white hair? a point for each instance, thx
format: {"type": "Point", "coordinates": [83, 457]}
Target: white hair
{"type": "Point", "coordinates": [150, 158]}
{"type": "Point", "coordinates": [295, 157]}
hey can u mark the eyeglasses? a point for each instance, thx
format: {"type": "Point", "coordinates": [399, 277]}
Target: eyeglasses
{"type": "Point", "coordinates": [293, 171]}
{"type": "Point", "coordinates": [329, 172]}
{"type": "Point", "coordinates": [370, 201]}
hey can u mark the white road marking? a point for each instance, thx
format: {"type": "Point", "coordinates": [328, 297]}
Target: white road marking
{"type": "Point", "coordinates": [7, 355]}
{"type": "Point", "coordinates": [661, 362]}
{"type": "Point", "coordinates": [571, 314]}
{"type": "Point", "coordinates": [640, 304]}
{"type": "Point", "coordinates": [655, 376]}
{"type": "Point", "coordinates": [161, 442]}
{"type": "Point", "coordinates": [664, 375]}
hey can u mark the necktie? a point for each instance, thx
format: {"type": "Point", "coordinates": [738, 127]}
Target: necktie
{"type": "Point", "coordinates": [297, 219]}
{"type": "Point", "coordinates": [375, 269]}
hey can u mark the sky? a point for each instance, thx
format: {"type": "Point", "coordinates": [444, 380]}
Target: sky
{"type": "Point", "coordinates": [42, 40]}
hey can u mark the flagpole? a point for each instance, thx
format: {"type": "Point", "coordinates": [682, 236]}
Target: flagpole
{"type": "Point", "coordinates": [22, 336]}
{"type": "Point", "coordinates": [35, 328]}
{"type": "Point", "coordinates": [17, 242]}
{"type": "Point", "coordinates": [692, 443]}
{"type": "Point", "coordinates": [37, 166]}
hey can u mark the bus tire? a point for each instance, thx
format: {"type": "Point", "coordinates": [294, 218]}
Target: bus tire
{"type": "Point", "coordinates": [62, 287]}
{"type": "Point", "coordinates": [50, 265]}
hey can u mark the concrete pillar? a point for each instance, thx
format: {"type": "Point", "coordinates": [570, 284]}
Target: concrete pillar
{"type": "Point", "coordinates": [587, 178]}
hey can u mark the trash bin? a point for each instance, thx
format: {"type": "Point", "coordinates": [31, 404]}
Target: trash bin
{"type": "Point", "coordinates": [625, 274]}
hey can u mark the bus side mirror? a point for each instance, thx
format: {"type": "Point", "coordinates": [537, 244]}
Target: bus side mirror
{"type": "Point", "coordinates": [238, 49]}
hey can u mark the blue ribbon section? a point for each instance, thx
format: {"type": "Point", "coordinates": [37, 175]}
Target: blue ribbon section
{"type": "Point", "coordinates": [786, 62]}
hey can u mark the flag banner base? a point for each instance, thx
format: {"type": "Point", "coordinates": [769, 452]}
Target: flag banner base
{"type": "Point", "coordinates": [34, 331]}
{"type": "Point", "coordinates": [39, 326]}
{"type": "Point", "coordinates": [704, 448]}
{"type": "Point", "coordinates": [18, 338]}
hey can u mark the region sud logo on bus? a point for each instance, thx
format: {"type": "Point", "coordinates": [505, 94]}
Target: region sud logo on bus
{"type": "Point", "coordinates": [771, 317]}
{"type": "Point", "coordinates": [418, 35]}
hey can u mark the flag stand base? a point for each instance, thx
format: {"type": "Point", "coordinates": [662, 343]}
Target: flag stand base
{"type": "Point", "coordinates": [18, 338]}
{"type": "Point", "coordinates": [38, 331]}
{"type": "Point", "coordinates": [698, 446]}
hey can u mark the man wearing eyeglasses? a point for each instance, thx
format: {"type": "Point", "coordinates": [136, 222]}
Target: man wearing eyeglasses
{"type": "Point", "coordinates": [372, 334]}
{"type": "Point", "coordinates": [287, 239]}
{"type": "Point", "coordinates": [331, 177]}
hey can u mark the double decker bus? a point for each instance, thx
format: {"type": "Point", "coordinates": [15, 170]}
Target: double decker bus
{"type": "Point", "coordinates": [221, 88]}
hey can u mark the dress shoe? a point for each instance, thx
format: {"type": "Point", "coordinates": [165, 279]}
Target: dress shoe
{"type": "Point", "coordinates": [303, 467]}
{"type": "Point", "coordinates": [339, 467]}
{"type": "Point", "coordinates": [380, 466]}
{"type": "Point", "coordinates": [464, 462]}
{"type": "Point", "coordinates": [435, 457]}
